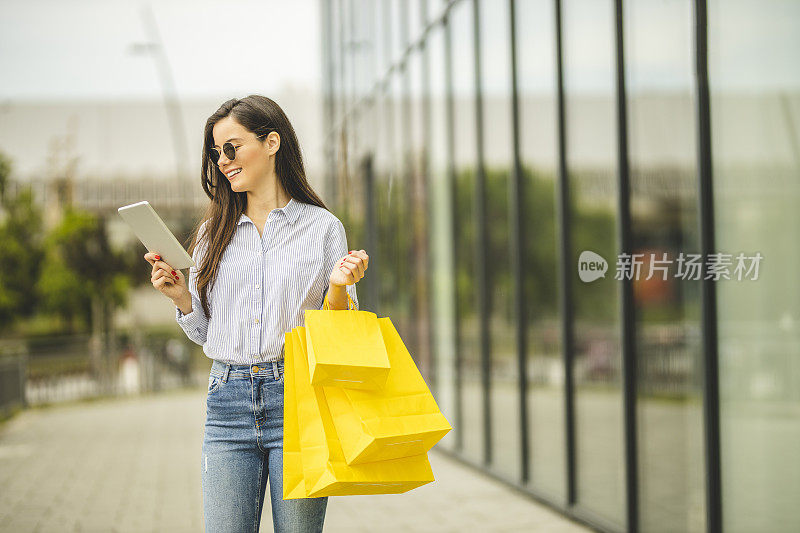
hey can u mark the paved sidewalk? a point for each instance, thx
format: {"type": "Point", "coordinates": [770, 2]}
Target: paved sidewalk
{"type": "Point", "coordinates": [132, 465]}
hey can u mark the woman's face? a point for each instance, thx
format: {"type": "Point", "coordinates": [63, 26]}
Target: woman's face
{"type": "Point", "coordinates": [255, 157]}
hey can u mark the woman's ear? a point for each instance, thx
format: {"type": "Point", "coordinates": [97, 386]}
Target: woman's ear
{"type": "Point", "coordinates": [273, 142]}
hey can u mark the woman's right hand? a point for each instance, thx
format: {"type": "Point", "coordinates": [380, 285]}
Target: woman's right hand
{"type": "Point", "coordinates": [166, 279]}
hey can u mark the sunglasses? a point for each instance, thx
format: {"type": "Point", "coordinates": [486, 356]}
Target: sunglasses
{"type": "Point", "coordinates": [229, 150]}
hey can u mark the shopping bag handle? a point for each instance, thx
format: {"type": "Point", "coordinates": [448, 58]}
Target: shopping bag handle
{"type": "Point", "coordinates": [351, 306]}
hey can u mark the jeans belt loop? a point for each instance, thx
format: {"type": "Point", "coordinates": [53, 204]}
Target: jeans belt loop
{"type": "Point", "coordinates": [275, 371]}
{"type": "Point", "coordinates": [225, 373]}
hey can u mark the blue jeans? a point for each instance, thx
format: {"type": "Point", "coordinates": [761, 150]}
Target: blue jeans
{"type": "Point", "coordinates": [243, 447]}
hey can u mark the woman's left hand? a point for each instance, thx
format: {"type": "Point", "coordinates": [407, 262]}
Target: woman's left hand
{"type": "Point", "coordinates": [350, 268]}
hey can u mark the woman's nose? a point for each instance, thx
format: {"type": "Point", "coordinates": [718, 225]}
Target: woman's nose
{"type": "Point", "coordinates": [222, 161]}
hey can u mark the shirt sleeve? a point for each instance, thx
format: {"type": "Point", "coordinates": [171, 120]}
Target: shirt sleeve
{"type": "Point", "coordinates": [335, 249]}
{"type": "Point", "coordinates": [194, 324]}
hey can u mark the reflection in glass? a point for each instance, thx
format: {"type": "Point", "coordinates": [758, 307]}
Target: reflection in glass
{"type": "Point", "coordinates": [398, 202]}
{"type": "Point", "coordinates": [434, 8]}
{"type": "Point", "coordinates": [464, 141]}
{"type": "Point", "coordinates": [398, 20]}
{"type": "Point", "coordinates": [538, 153]}
{"type": "Point", "coordinates": [362, 19]}
{"type": "Point", "coordinates": [592, 172]}
{"type": "Point", "coordinates": [663, 174]}
{"type": "Point", "coordinates": [498, 158]}
{"type": "Point", "coordinates": [379, 38]}
{"type": "Point", "coordinates": [414, 14]}
{"type": "Point", "coordinates": [384, 178]}
{"type": "Point", "coordinates": [754, 69]}
{"type": "Point", "coordinates": [417, 218]}
{"type": "Point", "coordinates": [335, 68]}
{"type": "Point", "coordinates": [441, 235]}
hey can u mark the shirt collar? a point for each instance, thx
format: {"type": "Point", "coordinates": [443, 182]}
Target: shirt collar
{"type": "Point", "coordinates": [291, 211]}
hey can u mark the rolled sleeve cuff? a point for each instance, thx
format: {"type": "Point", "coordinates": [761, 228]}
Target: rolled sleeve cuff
{"type": "Point", "coordinates": [195, 320]}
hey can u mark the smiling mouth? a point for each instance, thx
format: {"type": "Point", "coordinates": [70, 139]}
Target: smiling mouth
{"type": "Point", "coordinates": [236, 173]}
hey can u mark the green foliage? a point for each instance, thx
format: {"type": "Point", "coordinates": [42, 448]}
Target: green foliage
{"type": "Point", "coordinates": [56, 274]}
{"type": "Point", "coordinates": [592, 229]}
{"type": "Point", "coordinates": [5, 172]}
{"type": "Point", "coordinates": [595, 230]}
{"type": "Point", "coordinates": [541, 244]}
{"type": "Point", "coordinates": [79, 265]}
{"type": "Point", "coordinates": [62, 292]}
{"type": "Point", "coordinates": [20, 252]}
{"type": "Point", "coordinates": [390, 226]}
{"type": "Point", "coordinates": [466, 239]}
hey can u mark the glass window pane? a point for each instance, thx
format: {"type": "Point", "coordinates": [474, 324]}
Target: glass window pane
{"type": "Point", "coordinates": [498, 157]}
{"type": "Point", "coordinates": [465, 146]}
{"type": "Point", "coordinates": [435, 8]}
{"type": "Point", "coordinates": [441, 234]}
{"type": "Point", "coordinates": [347, 51]}
{"type": "Point", "coordinates": [591, 127]}
{"type": "Point", "coordinates": [416, 250]}
{"type": "Point", "coordinates": [414, 19]}
{"type": "Point", "coordinates": [535, 20]}
{"type": "Point", "coordinates": [379, 38]}
{"type": "Point", "coordinates": [754, 68]}
{"type": "Point", "coordinates": [399, 201]}
{"type": "Point", "coordinates": [361, 48]}
{"type": "Point", "coordinates": [336, 60]}
{"type": "Point", "coordinates": [387, 229]}
{"type": "Point", "coordinates": [399, 21]}
{"type": "Point", "coordinates": [663, 172]}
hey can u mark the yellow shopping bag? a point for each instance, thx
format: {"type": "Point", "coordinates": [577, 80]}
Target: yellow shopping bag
{"type": "Point", "coordinates": [345, 348]}
{"type": "Point", "coordinates": [325, 471]}
{"type": "Point", "coordinates": [293, 483]}
{"type": "Point", "coordinates": [399, 420]}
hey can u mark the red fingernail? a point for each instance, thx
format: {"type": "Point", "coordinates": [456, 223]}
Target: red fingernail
{"type": "Point", "coordinates": [158, 257]}
{"type": "Point", "coordinates": [174, 273]}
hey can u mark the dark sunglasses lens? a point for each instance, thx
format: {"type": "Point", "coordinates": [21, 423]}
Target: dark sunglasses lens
{"type": "Point", "coordinates": [230, 151]}
{"type": "Point", "coordinates": [214, 155]}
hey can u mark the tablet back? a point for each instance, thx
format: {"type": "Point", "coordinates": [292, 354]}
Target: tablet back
{"type": "Point", "coordinates": [155, 235]}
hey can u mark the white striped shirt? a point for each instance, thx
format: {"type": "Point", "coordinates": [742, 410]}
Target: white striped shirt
{"type": "Point", "coordinates": [265, 283]}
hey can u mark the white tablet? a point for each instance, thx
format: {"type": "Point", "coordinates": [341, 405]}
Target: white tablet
{"type": "Point", "coordinates": [155, 235]}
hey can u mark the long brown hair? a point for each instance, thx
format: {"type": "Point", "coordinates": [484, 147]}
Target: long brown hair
{"type": "Point", "coordinates": [259, 115]}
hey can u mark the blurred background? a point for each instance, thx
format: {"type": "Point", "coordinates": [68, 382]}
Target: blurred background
{"type": "Point", "coordinates": [474, 148]}
{"type": "Point", "coordinates": [506, 137]}
{"type": "Point", "coordinates": [104, 105]}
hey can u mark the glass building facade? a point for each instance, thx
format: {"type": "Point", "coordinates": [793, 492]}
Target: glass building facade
{"type": "Point", "coordinates": [477, 148]}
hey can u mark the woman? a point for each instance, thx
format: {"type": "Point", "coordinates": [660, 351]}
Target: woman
{"type": "Point", "coordinates": [266, 250]}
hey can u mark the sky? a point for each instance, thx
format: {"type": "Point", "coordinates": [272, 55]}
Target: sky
{"type": "Point", "coordinates": [57, 51]}
{"type": "Point", "coordinates": [69, 74]}
{"type": "Point", "coordinates": [80, 49]}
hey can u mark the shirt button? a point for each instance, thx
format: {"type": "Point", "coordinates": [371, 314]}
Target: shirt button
{"type": "Point", "coordinates": [258, 286]}
{"type": "Point", "coordinates": [256, 321]}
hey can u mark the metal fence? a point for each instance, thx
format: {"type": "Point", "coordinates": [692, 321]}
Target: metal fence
{"type": "Point", "coordinates": [13, 362]}
{"type": "Point", "coordinates": [60, 368]}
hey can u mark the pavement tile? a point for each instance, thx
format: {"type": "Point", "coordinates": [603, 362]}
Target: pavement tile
{"type": "Point", "coordinates": [131, 465]}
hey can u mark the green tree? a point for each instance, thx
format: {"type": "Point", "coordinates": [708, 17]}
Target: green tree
{"type": "Point", "coordinates": [80, 267]}
{"type": "Point", "coordinates": [21, 251]}
{"type": "Point", "coordinates": [591, 228]}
